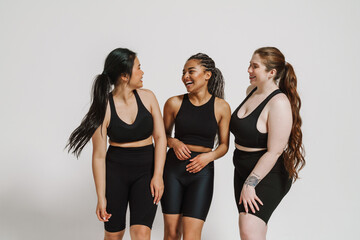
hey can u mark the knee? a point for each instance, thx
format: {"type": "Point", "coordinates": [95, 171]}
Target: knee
{"type": "Point", "coordinates": [114, 235]}
{"type": "Point", "coordinates": [141, 233]}
{"type": "Point", "coordinates": [172, 233]}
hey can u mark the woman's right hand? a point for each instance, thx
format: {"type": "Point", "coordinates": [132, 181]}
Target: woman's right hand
{"type": "Point", "coordinates": [181, 151]}
{"type": "Point", "coordinates": [101, 213]}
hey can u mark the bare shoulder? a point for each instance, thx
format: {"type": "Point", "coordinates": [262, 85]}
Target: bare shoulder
{"type": "Point", "coordinates": [222, 107]}
{"type": "Point", "coordinates": [107, 117]}
{"type": "Point", "coordinates": [146, 94]}
{"type": "Point", "coordinates": [175, 101]}
{"type": "Point", "coordinates": [280, 102]}
{"type": "Point", "coordinates": [221, 104]}
{"type": "Point", "coordinates": [249, 89]}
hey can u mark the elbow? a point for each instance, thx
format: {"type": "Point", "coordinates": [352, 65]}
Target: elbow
{"type": "Point", "coordinates": [160, 139]}
{"type": "Point", "coordinates": [275, 154]}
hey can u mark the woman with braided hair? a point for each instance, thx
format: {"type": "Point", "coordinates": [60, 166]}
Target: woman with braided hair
{"type": "Point", "coordinates": [268, 140]}
{"type": "Point", "coordinates": [131, 169]}
{"type": "Point", "coordinates": [198, 117]}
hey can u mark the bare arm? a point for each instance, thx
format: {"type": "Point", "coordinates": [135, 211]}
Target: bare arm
{"type": "Point", "coordinates": [171, 109]}
{"type": "Point", "coordinates": [225, 114]}
{"type": "Point", "coordinates": [279, 127]}
{"type": "Point", "coordinates": [157, 184]}
{"type": "Point", "coordinates": [99, 141]}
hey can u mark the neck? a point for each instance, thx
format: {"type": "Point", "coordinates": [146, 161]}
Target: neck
{"type": "Point", "coordinates": [200, 96]}
{"type": "Point", "coordinates": [266, 87]}
{"type": "Point", "coordinates": [123, 92]}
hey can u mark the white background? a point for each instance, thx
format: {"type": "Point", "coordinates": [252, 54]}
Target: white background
{"type": "Point", "coordinates": [50, 52]}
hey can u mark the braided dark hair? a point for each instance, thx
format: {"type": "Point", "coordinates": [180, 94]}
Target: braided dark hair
{"type": "Point", "coordinates": [216, 82]}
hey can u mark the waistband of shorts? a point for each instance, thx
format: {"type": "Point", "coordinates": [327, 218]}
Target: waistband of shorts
{"type": "Point", "coordinates": [133, 149]}
{"type": "Point", "coordinates": [250, 153]}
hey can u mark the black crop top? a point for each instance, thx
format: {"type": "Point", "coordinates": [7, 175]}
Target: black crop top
{"type": "Point", "coordinates": [120, 132]}
{"type": "Point", "coordinates": [245, 130]}
{"type": "Point", "coordinates": [196, 125]}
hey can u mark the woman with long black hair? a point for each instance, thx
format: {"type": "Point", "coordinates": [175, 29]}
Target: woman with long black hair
{"type": "Point", "coordinates": [199, 117]}
{"type": "Point", "coordinates": [131, 169]}
{"type": "Point", "coordinates": [268, 139]}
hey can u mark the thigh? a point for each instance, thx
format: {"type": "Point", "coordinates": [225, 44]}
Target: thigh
{"type": "Point", "coordinates": [238, 184]}
{"type": "Point", "coordinates": [116, 194]}
{"type": "Point", "coordinates": [198, 195]}
{"type": "Point", "coordinates": [171, 201]}
{"type": "Point", "coordinates": [141, 202]}
{"type": "Point", "coordinates": [251, 226]}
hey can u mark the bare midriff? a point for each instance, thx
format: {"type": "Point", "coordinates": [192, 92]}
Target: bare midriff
{"type": "Point", "coordinates": [247, 149]}
{"type": "Point", "coordinates": [195, 148]}
{"type": "Point", "coordinates": [141, 143]}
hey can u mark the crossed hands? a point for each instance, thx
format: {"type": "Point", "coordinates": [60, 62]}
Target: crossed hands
{"type": "Point", "coordinates": [197, 163]}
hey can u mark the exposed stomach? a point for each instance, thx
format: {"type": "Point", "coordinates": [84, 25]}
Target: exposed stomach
{"type": "Point", "coordinates": [196, 148]}
{"type": "Point", "coordinates": [248, 149]}
{"type": "Point", "coordinates": [140, 143]}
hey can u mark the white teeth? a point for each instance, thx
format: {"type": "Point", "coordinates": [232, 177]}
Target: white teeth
{"type": "Point", "coordinates": [188, 83]}
{"type": "Point", "coordinates": [252, 77]}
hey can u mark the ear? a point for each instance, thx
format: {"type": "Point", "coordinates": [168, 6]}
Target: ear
{"type": "Point", "coordinates": [272, 73]}
{"type": "Point", "coordinates": [208, 75]}
{"type": "Point", "coordinates": [124, 77]}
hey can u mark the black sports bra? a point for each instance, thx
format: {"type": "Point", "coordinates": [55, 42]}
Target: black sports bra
{"type": "Point", "coordinates": [120, 132]}
{"type": "Point", "coordinates": [196, 125]}
{"type": "Point", "coordinates": [245, 130]}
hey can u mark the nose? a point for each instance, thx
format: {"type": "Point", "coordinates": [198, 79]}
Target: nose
{"type": "Point", "coordinates": [250, 70]}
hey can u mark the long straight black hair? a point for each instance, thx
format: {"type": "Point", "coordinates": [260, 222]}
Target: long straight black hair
{"type": "Point", "coordinates": [119, 62]}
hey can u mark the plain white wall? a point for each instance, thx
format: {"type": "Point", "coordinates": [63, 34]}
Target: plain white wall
{"type": "Point", "coordinates": [51, 50]}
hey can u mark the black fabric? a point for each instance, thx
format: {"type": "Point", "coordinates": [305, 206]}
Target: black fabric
{"type": "Point", "coordinates": [120, 132]}
{"type": "Point", "coordinates": [245, 130]}
{"type": "Point", "coordinates": [270, 190]}
{"type": "Point", "coordinates": [187, 193]}
{"type": "Point", "coordinates": [196, 125]}
{"type": "Point", "coordinates": [128, 175]}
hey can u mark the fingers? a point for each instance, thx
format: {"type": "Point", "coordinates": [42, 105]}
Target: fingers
{"type": "Point", "coordinates": [102, 215]}
{"type": "Point", "coordinates": [250, 203]}
{"type": "Point", "coordinates": [251, 206]}
{"type": "Point", "coordinates": [187, 151]}
{"type": "Point", "coordinates": [152, 188]}
{"type": "Point", "coordinates": [258, 199]}
{"type": "Point", "coordinates": [193, 167]}
{"type": "Point", "coordinates": [181, 155]}
{"type": "Point", "coordinates": [245, 206]}
{"type": "Point", "coordinates": [98, 215]}
{"type": "Point", "coordinates": [160, 193]}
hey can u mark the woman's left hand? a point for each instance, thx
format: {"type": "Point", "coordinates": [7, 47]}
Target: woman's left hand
{"type": "Point", "coordinates": [248, 198]}
{"type": "Point", "coordinates": [157, 188]}
{"type": "Point", "coordinates": [199, 162]}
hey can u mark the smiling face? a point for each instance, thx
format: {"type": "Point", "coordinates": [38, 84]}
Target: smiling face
{"type": "Point", "coordinates": [258, 74]}
{"type": "Point", "coordinates": [136, 76]}
{"type": "Point", "coordinates": [195, 77]}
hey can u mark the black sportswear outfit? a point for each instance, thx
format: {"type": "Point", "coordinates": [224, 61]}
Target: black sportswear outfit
{"type": "Point", "coordinates": [129, 170]}
{"type": "Point", "coordinates": [275, 185]}
{"type": "Point", "coordinates": [187, 193]}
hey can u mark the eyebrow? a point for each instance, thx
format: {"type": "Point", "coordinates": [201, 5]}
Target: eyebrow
{"type": "Point", "coordinates": [190, 68]}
